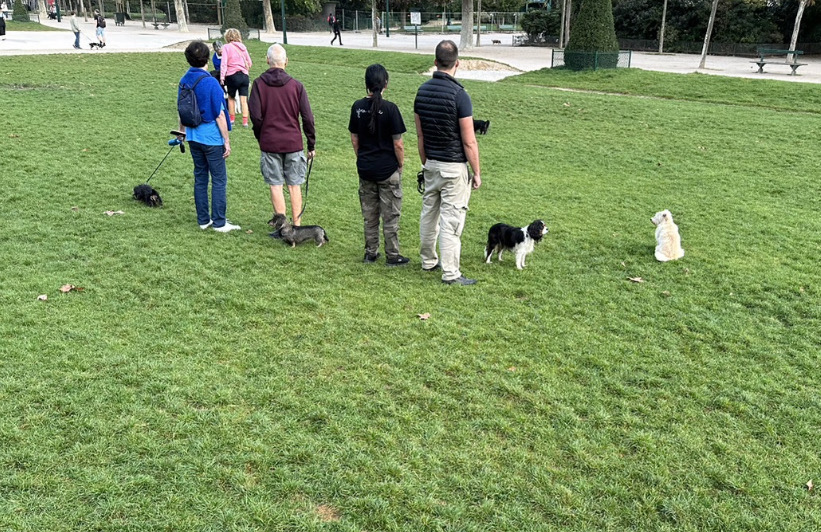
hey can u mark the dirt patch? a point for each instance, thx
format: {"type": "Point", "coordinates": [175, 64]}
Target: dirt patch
{"type": "Point", "coordinates": [481, 65]}
{"type": "Point", "coordinates": [178, 45]}
{"type": "Point", "coordinates": [327, 513]}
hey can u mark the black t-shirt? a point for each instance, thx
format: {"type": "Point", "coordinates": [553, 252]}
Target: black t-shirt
{"type": "Point", "coordinates": [376, 160]}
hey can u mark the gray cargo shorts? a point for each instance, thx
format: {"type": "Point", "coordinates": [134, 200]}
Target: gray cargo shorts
{"type": "Point", "coordinates": [282, 168]}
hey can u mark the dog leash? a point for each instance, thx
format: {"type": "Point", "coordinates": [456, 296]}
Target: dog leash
{"type": "Point", "coordinates": [305, 198]}
{"type": "Point", "coordinates": [163, 160]}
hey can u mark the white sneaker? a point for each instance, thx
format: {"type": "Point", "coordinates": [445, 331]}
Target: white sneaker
{"type": "Point", "coordinates": [206, 226]}
{"type": "Point", "coordinates": [227, 227]}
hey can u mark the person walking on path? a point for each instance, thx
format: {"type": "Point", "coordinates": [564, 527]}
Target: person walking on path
{"type": "Point", "coordinates": [443, 113]}
{"type": "Point", "coordinates": [277, 103]}
{"type": "Point", "coordinates": [100, 31]}
{"type": "Point", "coordinates": [376, 128]}
{"type": "Point", "coordinates": [337, 32]}
{"type": "Point", "coordinates": [234, 67]}
{"type": "Point", "coordinates": [2, 26]}
{"type": "Point", "coordinates": [75, 27]}
{"type": "Point", "coordinates": [209, 142]}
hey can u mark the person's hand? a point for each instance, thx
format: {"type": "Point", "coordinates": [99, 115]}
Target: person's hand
{"type": "Point", "coordinates": [227, 151]}
{"type": "Point", "coordinates": [477, 181]}
{"type": "Point", "coordinates": [311, 154]}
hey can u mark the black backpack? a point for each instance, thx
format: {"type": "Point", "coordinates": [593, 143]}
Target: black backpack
{"type": "Point", "coordinates": [101, 21]}
{"type": "Point", "coordinates": [187, 106]}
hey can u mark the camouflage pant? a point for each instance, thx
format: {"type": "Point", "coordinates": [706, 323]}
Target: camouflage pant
{"type": "Point", "coordinates": [381, 199]}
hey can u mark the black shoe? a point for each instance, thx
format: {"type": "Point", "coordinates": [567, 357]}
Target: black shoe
{"type": "Point", "coordinates": [435, 268]}
{"type": "Point", "coordinates": [276, 234]}
{"type": "Point", "coordinates": [462, 280]}
{"type": "Point", "coordinates": [370, 258]}
{"type": "Point", "coordinates": [399, 260]}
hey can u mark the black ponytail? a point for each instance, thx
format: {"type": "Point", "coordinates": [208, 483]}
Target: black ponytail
{"type": "Point", "coordinates": [376, 79]}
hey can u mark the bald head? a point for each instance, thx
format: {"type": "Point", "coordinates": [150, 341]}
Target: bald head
{"type": "Point", "coordinates": [277, 58]}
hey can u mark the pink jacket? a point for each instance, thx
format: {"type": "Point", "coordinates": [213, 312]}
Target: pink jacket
{"type": "Point", "coordinates": [235, 59]}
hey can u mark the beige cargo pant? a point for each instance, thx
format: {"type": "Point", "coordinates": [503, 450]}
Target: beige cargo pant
{"type": "Point", "coordinates": [382, 199]}
{"type": "Point", "coordinates": [444, 207]}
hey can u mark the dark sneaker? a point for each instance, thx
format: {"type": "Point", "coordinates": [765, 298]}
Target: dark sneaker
{"type": "Point", "coordinates": [435, 268]}
{"type": "Point", "coordinates": [370, 258]}
{"type": "Point", "coordinates": [399, 260]}
{"type": "Point", "coordinates": [462, 280]}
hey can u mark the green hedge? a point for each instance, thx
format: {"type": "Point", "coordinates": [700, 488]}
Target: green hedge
{"type": "Point", "coordinates": [594, 31]}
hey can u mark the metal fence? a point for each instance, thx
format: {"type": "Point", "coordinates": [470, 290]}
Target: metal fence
{"type": "Point", "coordinates": [590, 60]}
{"type": "Point", "coordinates": [431, 22]}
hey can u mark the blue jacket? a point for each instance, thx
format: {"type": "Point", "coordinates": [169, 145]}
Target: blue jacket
{"type": "Point", "coordinates": [210, 97]}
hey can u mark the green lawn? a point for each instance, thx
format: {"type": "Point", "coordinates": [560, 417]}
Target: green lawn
{"type": "Point", "coordinates": [12, 26]}
{"type": "Point", "coordinates": [203, 381]}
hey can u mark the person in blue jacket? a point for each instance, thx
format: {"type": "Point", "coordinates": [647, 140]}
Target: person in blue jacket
{"type": "Point", "coordinates": [209, 142]}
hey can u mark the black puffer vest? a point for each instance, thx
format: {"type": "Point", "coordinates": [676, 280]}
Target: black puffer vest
{"type": "Point", "coordinates": [436, 106]}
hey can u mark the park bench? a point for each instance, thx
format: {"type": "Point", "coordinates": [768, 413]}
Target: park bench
{"type": "Point", "coordinates": [158, 24]}
{"type": "Point", "coordinates": [767, 56]}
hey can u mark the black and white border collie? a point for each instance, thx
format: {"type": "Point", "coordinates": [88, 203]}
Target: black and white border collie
{"type": "Point", "coordinates": [519, 240]}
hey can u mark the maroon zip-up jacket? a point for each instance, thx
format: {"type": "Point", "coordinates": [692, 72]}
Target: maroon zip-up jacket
{"type": "Point", "coordinates": [277, 101]}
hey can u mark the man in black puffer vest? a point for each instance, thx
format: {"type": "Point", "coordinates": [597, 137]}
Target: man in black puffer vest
{"type": "Point", "coordinates": [447, 144]}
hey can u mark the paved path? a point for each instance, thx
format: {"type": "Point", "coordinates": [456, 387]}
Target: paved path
{"type": "Point", "coordinates": [134, 38]}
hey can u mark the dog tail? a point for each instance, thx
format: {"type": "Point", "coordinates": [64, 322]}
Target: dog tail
{"type": "Point", "coordinates": [325, 236]}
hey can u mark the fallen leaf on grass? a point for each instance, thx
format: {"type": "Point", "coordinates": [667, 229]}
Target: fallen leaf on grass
{"type": "Point", "coordinates": [566, 104]}
{"type": "Point", "coordinates": [112, 213]}
{"type": "Point", "coordinates": [42, 297]}
{"type": "Point", "coordinates": [84, 149]}
{"type": "Point", "coordinates": [809, 485]}
{"type": "Point", "coordinates": [424, 316]}
{"type": "Point", "coordinates": [66, 288]}
{"type": "Point", "coordinates": [13, 136]}
{"type": "Point", "coordinates": [512, 368]}
{"type": "Point", "coordinates": [666, 293]}
{"type": "Point", "coordinates": [249, 232]}
{"type": "Point", "coordinates": [636, 279]}
{"type": "Point", "coordinates": [75, 209]}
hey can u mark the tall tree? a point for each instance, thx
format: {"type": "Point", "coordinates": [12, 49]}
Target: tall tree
{"type": "Point", "coordinates": [794, 39]}
{"type": "Point", "coordinates": [708, 34]}
{"type": "Point", "coordinates": [593, 43]}
{"type": "Point", "coordinates": [661, 31]}
{"type": "Point", "coordinates": [233, 18]}
{"type": "Point", "coordinates": [466, 37]}
{"type": "Point", "coordinates": [181, 21]}
{"type": "Point", "coordinates": [269, 16]}
{"type": "Point", "coordinates": [374, 25]}
{"type": "Point", "coordinates": [43, 13]}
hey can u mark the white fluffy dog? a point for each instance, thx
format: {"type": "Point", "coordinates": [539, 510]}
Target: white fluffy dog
{"type": "Point", "coordinates": [668, 241]}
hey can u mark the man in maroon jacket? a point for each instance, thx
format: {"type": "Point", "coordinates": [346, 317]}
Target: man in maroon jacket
{"type": "Point", "coordinates": [276, 103]}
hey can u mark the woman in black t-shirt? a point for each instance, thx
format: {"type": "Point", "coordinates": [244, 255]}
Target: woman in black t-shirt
{"type": "Point", "coordinates": [376, 128]}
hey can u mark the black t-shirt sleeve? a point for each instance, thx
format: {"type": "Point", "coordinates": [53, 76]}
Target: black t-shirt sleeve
{"type": "Point", "coordinates": [464, 107]}
{"type": "Point", "coordinates": [397, 124]}
{"type": "Point", "coordinates": [352, 121]}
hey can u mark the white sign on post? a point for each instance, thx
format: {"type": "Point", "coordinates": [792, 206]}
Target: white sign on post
{"type": "Point", "coordinates": [416, 18]}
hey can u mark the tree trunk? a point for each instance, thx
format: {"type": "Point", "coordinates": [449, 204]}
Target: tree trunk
{"type": "Point", "coordinates": [268, 14]}
{"type": "Point", "coordinates": [466, 37]}
{"type": "Point", "coordinates": [181, 22]}
{"type": "Point", "coordinates": [707, 35]}
{"type": "Point", "coordinates": [567, 23]}
{"type": "Point", "coordinates": [663, 22]}
{"type": "Point", "coordinates": [185, 10]}
{"type": "Point", "coordinates": [142, 12]}
{"type": "Point", "coordinates": [479, 24]}
{"type": "Point", "coordinates": [794, 39]}
{"type": "Point", "coordinates": [561, 24]}
{"type": "Point", "coordinates": [374, 28]}
{"type": "Point", "coordinates": [85, 11]}
{"type": "Point", "coordinates": [43, 13]}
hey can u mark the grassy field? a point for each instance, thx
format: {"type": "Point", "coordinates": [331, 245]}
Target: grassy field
{"type": "Point", "coordinates": [225, 382]}
{"type": "Point", "coordinates": [12, 26]}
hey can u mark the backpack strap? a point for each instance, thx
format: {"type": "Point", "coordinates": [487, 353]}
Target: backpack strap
{"type": "Point", "coordinates": [194, 86]}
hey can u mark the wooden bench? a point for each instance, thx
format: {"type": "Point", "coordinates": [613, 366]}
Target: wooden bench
{"type": "Point", "coordinates": [766, 56]}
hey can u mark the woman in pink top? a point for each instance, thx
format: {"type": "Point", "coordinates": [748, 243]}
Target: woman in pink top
{"type": "Point", "coordinates": [234, 73]}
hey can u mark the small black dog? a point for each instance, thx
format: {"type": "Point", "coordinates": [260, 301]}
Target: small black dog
{"type": "Point", "coordinates": [481, 126]}
{"type": "Point", "coordinates": [147, 195]}
{"type": "Point", "coordinates": [293, 235]}
{"type": "Point", "coordinates": [519, 240]}
{"type": "Point", "coordinates": [94, 45]}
